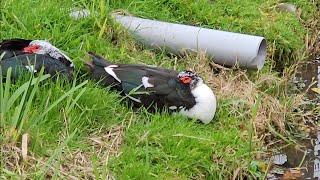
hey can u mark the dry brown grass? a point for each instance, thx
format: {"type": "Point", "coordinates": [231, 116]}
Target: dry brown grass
{"type": "Point", "coordinates": [275, 109]}
{"type": "Point", "coordinates": [71, 164]}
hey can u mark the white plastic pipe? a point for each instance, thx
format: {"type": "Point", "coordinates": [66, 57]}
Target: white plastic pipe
{"type": "Point", "coordinates": [225, 48]}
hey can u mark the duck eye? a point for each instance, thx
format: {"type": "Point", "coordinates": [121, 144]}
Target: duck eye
{"type": "Point", "coordinates": [185, 80]}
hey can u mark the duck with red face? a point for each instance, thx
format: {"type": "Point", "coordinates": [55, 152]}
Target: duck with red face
{"type": "Point", "coordinates": [183, 92]}
{"type": "Point", "coordinates": [31, 55]}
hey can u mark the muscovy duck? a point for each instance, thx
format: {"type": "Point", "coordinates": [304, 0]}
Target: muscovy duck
{"type": "Point", "coordinates": [183, 92]}
{"type": "Point", "coordinates": [31, 55]}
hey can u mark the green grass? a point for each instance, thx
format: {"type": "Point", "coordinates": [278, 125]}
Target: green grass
{"type": "Point", "coordinates": [62, 117]}
{"type": "Point", "coordinates": [166, 147]}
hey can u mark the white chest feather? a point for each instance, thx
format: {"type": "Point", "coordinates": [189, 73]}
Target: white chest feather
{"type": "Point", "coordinates": [205, 106]}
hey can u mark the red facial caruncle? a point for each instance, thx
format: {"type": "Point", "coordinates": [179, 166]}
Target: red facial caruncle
{"type": "Point", "coordinates": [31, 49]}
{"type": "Point", "coordinates": [186, 79]}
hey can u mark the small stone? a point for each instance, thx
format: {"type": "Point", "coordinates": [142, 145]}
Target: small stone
{"type": "Point", "coordinates": [279, 159]}
{"type": "Point", "coordinates": [79, 14]}
{"type": "Point", "coordinates": [286, 7]}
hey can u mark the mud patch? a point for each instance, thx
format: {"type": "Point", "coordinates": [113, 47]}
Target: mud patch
{"type": "Point", "coordinates": [306, 78]}
{"type": "Point", "coordinates": [302, 161]}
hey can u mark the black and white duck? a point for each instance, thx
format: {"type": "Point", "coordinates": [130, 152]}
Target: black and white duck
{"type": "Point", "coordinates": [184, 92]}
{"type": "Point", "coordinates": [31, 55]}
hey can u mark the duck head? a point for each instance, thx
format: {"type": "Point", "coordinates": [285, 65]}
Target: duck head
{"type": "Point", "coordinates": [44, 47]}
{"type": "Point", "coordinates": [205, 106]}
{"type": "Point", "coordinates": [190, 79]}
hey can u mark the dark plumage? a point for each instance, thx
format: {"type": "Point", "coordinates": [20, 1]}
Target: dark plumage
{"type": "Point", "coordinates": [155, 87]}
{"type": "Point", "coordinates": [33, 63]}
{"type": "Point", "coordinates": [13, 47]}
{"type": "Point", "coordinates": [167, 89]}
{"type": "Point", "coordinates": [31, 55]}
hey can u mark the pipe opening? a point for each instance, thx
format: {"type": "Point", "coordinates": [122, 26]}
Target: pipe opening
{"type": "Point", "coordinates": [261, 56]}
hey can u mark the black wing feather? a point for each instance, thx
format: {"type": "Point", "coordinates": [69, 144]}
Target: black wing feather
{"type": "Point", "coordinates": [14, 44]}
{"type": "Point", "coordinates": [13, 47]}
{"type": "Point", "coordinates": [167, 90]}
{"type": "Point", "coordinates": [51, 66]}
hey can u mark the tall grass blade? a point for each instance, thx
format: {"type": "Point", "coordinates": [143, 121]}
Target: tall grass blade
{"type": "Point", "coordinates": [54, 104]}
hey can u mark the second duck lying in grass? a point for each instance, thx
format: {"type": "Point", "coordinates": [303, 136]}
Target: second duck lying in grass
{"type": "Point", "coordinates": [31, 55]}
{"type": "Point", "coordinates": [184, 92]}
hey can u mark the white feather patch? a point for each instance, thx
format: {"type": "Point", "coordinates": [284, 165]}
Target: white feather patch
{"type": "Point", "coordinates": [109, 70]}
{"type": "Point", "coordinates": [52, 51]}
{"type": "Point", "coordinates": [31, 68]}
{"type": "Point", "coordinates": [145, 82]}
{"type": "Point", "coordinates": [173, 107]}
{"type": "Point", "coordinates": [205, 106]}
